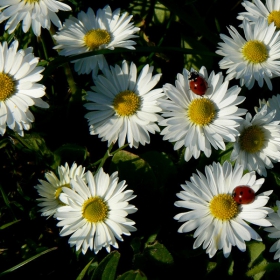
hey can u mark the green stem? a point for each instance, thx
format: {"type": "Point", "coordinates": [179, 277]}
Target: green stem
{"type": "Point", "coordinates": [102, 160]}
{"type": "Point", "coordinates": [107, 154]}
{"type": "Point", "coordinates": [41, 40]}
{"type": "Point", "coordinates": [70, 79]}
{"type": "Point", "coordinates": [7, 202]}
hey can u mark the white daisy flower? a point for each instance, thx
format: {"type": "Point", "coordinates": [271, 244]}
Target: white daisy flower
{"type": "Point", "coordinates": [259, 142]}
{"type": "Point", "coordinates": [19, 89]}
{"type": "Point", "coordinates": [255, 10]}
{"type": "Point", "coordinates": [273, 104]}
{"type": "Point", "coordinates": [35, 13]}
{"type": "Point", "coordinates": [95, 214]}
{"type": "Point", "coordinates": [255, 58]}
{"type": "Point", "coordinates": [201, 122]}
{"type": "Point", "coordinates": [51, 189]}
{"type": "Point", "coordinates": [274, 218]}
{"type": "Point", "coordinates": [124, 106]}
{"type": "Point", "coordinates": [89, 32]}
{"type": "Point", "coordinates": [218, 220]}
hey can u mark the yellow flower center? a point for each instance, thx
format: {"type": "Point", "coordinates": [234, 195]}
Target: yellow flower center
{"type": "Point", "coordinates": [7, 86]}
{"type": "Point", "coordinates": [255, 51]}
{"type": "Point", "coordinates": [274, 16]}
{"type": "Point", "coordinates": [58, 192]}
{"type": "Point", "coordinates": [223, 207]}
{"type": "Point", "coordinates": [31, 1]}
{"type": "Point", "coordinates": [252, 139]}
{"type": "Point", "coordinates": [95, 210]}
{"type": "Point", "coordinates": [201, 111]}
{"type": "Point", "coordinates": [126, 103]}
{"type": "Point", "coordinates": [96, 37]}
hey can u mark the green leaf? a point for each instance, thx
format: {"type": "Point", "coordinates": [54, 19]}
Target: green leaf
{"type": "Point", "coordinates": [133, 275]}
{"type": "Point", "coordinates": [6, 200]}
{"type": "Point", "coordinates": [231, 268]}
{"type": "Point", "coordinates": [162, 166]}
{"type": "Point", "coordinates": [140, 8]}
{"type": "Point", "coordinates": [68, 152]}
{"type": "Point", "coordinates": [33, 142]}
{"type": "Point", "coordinates": [136, 245]}
{"type": "Point", "coordinates": [258, 263]}
{"type": "Point", "coordinates": [161, 14]}
{"type": "Point", "coordinates": [83, 272]}
{"type": "Point", "coordinates": [106, 270]}
{"type": "Point", "coordinates": [9, 224]}
{"type": "Point", "coordinates": [225, 155]}
{"type": "Point", "coordinates": [255, 250]}
{"type": "Point", "coordinates": [258, 271]}
{"type": "Point", "coordinates": [26, 261]}
{"type": "Point", "coordinates": [158, 255]}
{"type": "Point", "coordinates": [151, 238]}
{"type": "Point", "coordinates": [192, 18]}
{"type": "Point", "coordinates": [4, 142]}
{"type": "Point", "coordinates": [276, 177]}
{"type": "Point", "coordinates": [136, 171]}
{"type": "Point", "coordinates": [196, 60]}
{"type": "Point", "coordinates": [211, 266]}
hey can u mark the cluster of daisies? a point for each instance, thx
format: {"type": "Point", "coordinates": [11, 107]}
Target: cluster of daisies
{"type": "Point", "coordinates": [197, 113]}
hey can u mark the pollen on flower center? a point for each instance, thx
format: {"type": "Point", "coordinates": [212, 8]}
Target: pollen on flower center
{"type": "Point", "coordinates": [58, 192]}
{"type": "Point", "coordinates": [255, 51]}
{"type": "Point", "coordinates": [95, 209]}
{"type": "Point", "coordinates": [252, 139]}
{"type": "Point", "coordinates": [96, 37]}
{"type": "Point", "coordinates": [126, 103]}
{"type": "Point", "coordinates": [7, 86]}
{"type": "Point", "coordinates": [201, 111]}
{"type": "Point", "coordinates": [274, 16]}
{"type": "Point", "coordinates": [223, 207]}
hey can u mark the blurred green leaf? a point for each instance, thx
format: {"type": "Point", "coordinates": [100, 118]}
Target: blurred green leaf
{"type": "Point", "coordinates": [133, 275]}
{"type": "Point", "coordinates": [4, 142]}
{"type": "Point", "coordinates": [6, 200]}
{"type": "Point", "coordinates": [26, 261]}
{"type": "Point", "coordinates": [106, 270]}
{"type": "Point", "coordinates": [211, 266]}
{"type": "Point", "coordinates": [20, 191]}
{"type": "Point", "coordinates": [140, 7]}
{"type": "Point", "coordinates": [161, 13]}
{"type": "Point", "coordinates": [196, 60]}
{"type": "Point", "coordinates": [9, 224]}
{"type": "Point", "coordinates": [231, 268]}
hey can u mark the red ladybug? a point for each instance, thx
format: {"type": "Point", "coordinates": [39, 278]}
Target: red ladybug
{"type": "Point", "coordinates": [198, 84]}
{"type": "Point", "coordinates": [243, 195]}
